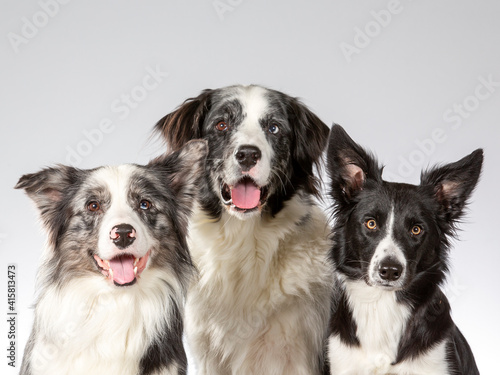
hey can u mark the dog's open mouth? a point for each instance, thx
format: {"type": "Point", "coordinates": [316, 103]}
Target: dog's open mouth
{"type": "Point", "coordinates": [122, 269]}
{"type": "Point", "coordinates": [244, 196]}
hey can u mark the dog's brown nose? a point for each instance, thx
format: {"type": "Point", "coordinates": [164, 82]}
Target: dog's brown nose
{"type": "Point", "coordinates": [390, 270]}
{"type": "Point", "coordinates": [248, 156]}
{"type": "Point", "coordinates": [123, 235]}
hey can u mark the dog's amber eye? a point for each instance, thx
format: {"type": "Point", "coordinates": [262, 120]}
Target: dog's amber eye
{"type": "Point", "coordinates": [145, 204]}
{"type": "Point", "coordinates": [93, 206]}
{"type": "Point", "coordinates": [221, 126]}
{"type": "Point", "coordinates": [416, 230]}
{"type": "Point", "coordinates": [274, 129]}
{"type": "Point", "coordinates": [371, 224]}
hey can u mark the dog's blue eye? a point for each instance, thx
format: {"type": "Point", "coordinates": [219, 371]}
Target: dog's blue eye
{"type": "Point", "coordinates": [145, 204]}
{"type": "Point", "coordinates": [274, 129]}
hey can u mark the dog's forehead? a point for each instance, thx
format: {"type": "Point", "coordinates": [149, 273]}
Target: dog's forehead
{"type": "Point", "coordinates": [111, 182]}
{"type": "Point", "coordinates": [255, 101]}
{"type": "Point", "coordinates": [113, 178]}
{"type": "Point", "coordinates": [381, 197]}
{"type": "Point", "coordinates": [250, 101]}
{"type": "Point", "coordinates": [406, 200]}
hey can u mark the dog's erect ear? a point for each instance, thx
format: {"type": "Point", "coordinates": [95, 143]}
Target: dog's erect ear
{"type": "Point", "coordinates": [183, 169]}
{"type": "Point", "coordinates": [349, 165]}
{"type": "Point", "coordinates": [184, 124]}
{"type": "Point", "coordinates": [453, 183]}
{"type": "Point", "coordinates": [311, 135]}
{"type": "Point", "coordinates": [47, 189]}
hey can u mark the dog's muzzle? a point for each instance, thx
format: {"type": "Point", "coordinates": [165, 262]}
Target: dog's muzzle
{"type": "Point", "coordinates": [244, 196]}
{"type": "Point", "coordinates": [124, 267]}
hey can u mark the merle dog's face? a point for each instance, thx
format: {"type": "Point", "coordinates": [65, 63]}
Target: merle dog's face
{"type": "Point", "coordinates": [118, 221]}
{"type": "Point", "coordinates": [390, 234]}
{"type": "Point", "coordinates": [262, 146]}
{"type": "Point", "coordinates": [250, 142]}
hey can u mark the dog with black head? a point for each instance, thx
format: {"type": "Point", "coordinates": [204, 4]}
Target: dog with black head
{"type": "Point", "coordinates": [258, 239]}
{"type": "Point", "coordinates": [391, 244]}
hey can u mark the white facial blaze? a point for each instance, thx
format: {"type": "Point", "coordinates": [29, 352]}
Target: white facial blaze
{"type": "Point", "coordinates": [250, 132]}
{"type": "Point", "coordinates": [387, 248]}
{"type": "Point", "coordinates": [117, 182]}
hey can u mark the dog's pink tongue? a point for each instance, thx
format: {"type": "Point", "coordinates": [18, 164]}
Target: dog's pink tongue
{"type": "Point", "coordinates": [123, 269]}
{"type": "Point", "coordinates": [245, 195]}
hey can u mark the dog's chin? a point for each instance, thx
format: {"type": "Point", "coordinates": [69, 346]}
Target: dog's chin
{"type": "Point", "coordinates": [243, 199]}
{"type": "Point", "coordinates": [384, 285]}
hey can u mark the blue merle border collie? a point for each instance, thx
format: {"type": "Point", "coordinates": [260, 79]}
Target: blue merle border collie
{"type": "Point", "coordinates": [260, 243]}
{"type": "Point", "coordinates": [391, 243]}
{"type": "Point", "coordinates": [116, 267]}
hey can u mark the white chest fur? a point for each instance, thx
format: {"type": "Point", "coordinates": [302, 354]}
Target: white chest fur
{"type": "Point", "coordinates": [380, 321]}
{"type": "Point", "coordinates": [91, 327]}
{"type": "Point", "coordinates": [261, 283]}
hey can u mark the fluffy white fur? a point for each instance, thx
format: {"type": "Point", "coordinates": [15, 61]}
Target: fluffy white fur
{"type": "Point", "coordinates": [263, 287]}
{"type": "Point", "coordinates": [84, 325]}
{"type": "Point", "coordinates": [380, 322]}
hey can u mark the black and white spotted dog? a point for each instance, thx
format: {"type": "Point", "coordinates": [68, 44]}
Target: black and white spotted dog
{"type": "Point", "coordinates": [260, 243]}
{"type": "Point", "coordinates": [116, 267]}
{"type": "Point", "coordinates": [391, 243]}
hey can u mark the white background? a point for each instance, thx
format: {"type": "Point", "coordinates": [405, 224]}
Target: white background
{"type": "Point", "coordinates": [405, 78]}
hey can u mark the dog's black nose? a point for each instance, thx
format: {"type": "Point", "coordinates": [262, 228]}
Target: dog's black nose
{"type": "Point", "coordinates": [248, 156]}
{"type": "Point", "coordinates": [390, 270]}
{"type": "Point", "coordinates": [123, 235]}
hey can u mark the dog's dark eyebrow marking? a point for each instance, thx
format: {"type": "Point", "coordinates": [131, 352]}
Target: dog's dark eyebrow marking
{"type": "Point", "coordinates": [276, 102]}
{"type": "Point", "coordinates": [274, 117]}
{"type": "Point", "coordinates": [235, 111]}
{"type": "Point", "coordinates": [230, 111]}
{"type": "Point", "coordinates": [143, 186]}
{"type": "Point", "coordinates": [143, 183]}
{"type": "Point", "coordinates": [94, 190]}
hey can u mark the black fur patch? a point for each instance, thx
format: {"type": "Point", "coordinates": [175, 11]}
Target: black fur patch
{"type": "Point", "coordinates": [341, 322]}
{"type": "Point", "coordinates": [167, 349]}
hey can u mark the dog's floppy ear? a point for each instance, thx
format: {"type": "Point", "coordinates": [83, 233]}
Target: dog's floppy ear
{"type": "Point", "coordinates": [348, 165]}
{"type": "Point", "coordinates": [453, 183]}
{"type": "Point", "coordinates": [182, 169]}
{"type": "Point", "coordinates": [184, 124]}
{"type": "Point", "coordinates": [311, 135]}
{"type": "Point", "coordinates": [47, 189]}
